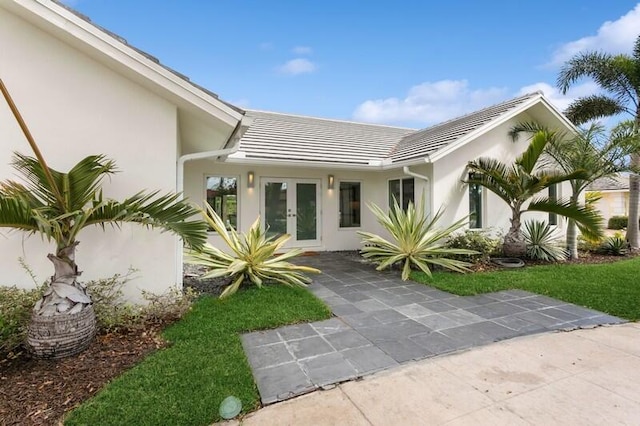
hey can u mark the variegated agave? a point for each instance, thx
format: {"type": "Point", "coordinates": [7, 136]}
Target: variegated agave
{"type": "Point", "coordinates": [253, 257]}
{"type": "Point", "coordinates": [416, 241]}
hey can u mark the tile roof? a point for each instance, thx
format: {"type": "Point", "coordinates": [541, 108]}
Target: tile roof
{"type": "Point", "coordinates": [428, 141]}
{"type": "Point", "coordinates": [298, 138]}
{"type": "Point", "coordinates": [618, 183]}
{"type": "Point", "coordinates": [285, 137]}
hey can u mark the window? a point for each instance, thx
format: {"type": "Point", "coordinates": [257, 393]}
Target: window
{"type": "Point", "coordinates": [402, 190]}
{"type": "Point", "coordinates": [349, 204]}
{"type": "Point", "coordinates": [553, 196]}
{"type": "Point", "coordinates": [222, 196]}
{"type": "Point", "coordinates": [475, 205]}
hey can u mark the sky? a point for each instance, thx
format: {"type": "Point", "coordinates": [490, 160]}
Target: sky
{"type": "Point", "coordinates": [404, 63]}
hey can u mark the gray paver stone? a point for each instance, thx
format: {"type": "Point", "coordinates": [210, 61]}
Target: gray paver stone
{"type": "Point", "coordinates": [281, 382]}
{"type": "Point", "coordinates": [347, 340]}
{"type": "Point", "coordinates": [297, 331]}
{"type": "Point", "coordinates": [403, 350]}
{"type": "Point", "coordinates": [269, 355]}
{"type": "Point", "coordinates": [368, 359]}
{"type": "Point", "coordinates": [328, 369]}
{"type": "Point", "coordinates": [310, 346]}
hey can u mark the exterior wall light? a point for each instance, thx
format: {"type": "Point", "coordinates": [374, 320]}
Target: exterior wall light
{"type": "Point", "coordinates": [250, 180]}
{"type": "Point", "coordinates": [330, 180]}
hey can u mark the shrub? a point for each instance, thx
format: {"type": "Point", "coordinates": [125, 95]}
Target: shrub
{"type": "Point", "coordinates": [615, 245]}
{"type": "Point", "coordinates": [618, 222]}
{"type": "Point", "coordinates": [416, 241]}
{"type": "Point", "coordinates": [542, 242]}
{"type": "Point", "coordinates": [16, 306]}
{"type": "Point", "coordinates": [478, 241]}
{"type": "Point", "coordinates": [115, 314]}
{"type": "Point", "coordinates": [589, 244]}
{"type": "Point", "coordinates": [253, 259]}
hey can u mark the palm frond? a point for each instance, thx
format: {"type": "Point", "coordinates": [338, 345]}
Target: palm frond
{"type": "Point", "coordinates": [495, 176]}
{"type": "Point", "coordinates": [84, 180]}
{"type": "Point", "coordinates": [17, 214]}
{"type": "Point", "coordinates": [587, 219]}
{"type": "Point", "coordinates": [529, 158]}
{"type": "Point", "coordinates": [593, 107]}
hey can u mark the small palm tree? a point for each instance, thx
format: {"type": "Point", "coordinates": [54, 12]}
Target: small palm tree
{"type": "Point", "coordinates": [58, 206]}
{"type": "Point", "coordinates": [619, 77]}
{"type": "Point", "coordinates": [593, 151]}
{"type": "Point", "coordinates": [517, 184]}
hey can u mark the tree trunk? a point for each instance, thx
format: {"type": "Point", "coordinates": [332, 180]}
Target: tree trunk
{"type": "Point", "coordinates": [514, 244]}
{"type": "Point", "coordinates": [634, 199]}
{"type": "Point", "coordinates": [63, 321]}
{"type": "Point", "coordinates": [572, 232]}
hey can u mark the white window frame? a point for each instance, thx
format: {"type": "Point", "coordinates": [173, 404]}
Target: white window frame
{"type": "Point", "coordinates": [238, 190]}
{"type": "Point", "coordinates": [401, 200]}
{"type": "Point", "coordinates": [483, 207]}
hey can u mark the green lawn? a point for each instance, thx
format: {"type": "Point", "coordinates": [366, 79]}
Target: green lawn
{"type": "Point", "coordinates": [185, 383]}
{"type": "Point", "coordinates": [613, 288]}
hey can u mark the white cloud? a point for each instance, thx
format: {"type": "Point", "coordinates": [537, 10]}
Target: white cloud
{"type": "Point", "coordinates": [429, 103]}
{"type": "Point", "coordinates": [558, 99]}
{"type": "Point", "coordinates": [302, 50]}
{"type": "Point", "coordinates": [297, 66]}
{"type": "Point", "coordinates": [613, 37]}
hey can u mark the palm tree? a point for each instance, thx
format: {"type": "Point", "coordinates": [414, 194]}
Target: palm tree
{"type": "Point", "coordinates": [591, 150]}
{"type": "Point", "coordinates": [518, 183]}
{"type": "Point", "coordinates": [619, 77]}
{"type": "Point", "coordinates": [58, 206]}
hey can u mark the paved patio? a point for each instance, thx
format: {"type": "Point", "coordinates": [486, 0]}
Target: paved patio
{"type": "Point", "coordinates": [381, 322]}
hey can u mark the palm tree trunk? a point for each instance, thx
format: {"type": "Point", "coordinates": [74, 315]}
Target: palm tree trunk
{"type": "Point", "coordinates": [514, 244]}
{"type": "Point", "coordinates": [634, 199]}
{"type": "Point", "coordinates": [572, 232]}
{"type": "Point", "coordinates": [63, 322]}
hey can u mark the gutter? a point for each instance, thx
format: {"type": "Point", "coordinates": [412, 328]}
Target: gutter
{"type": "Point", "coordinates": [408, 172]}
{"type": "Point", "coordinates": [232, 140]}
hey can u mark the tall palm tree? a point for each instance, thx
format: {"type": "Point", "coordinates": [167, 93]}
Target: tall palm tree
{"type": "Point", "coordinates": [619, 77]}
{"type": "Point", "coordinates": [518, 183]}
{"type": "Point", "coordinates": [58, 206]}
{"type": "Point", "coordinates": [593, 151]}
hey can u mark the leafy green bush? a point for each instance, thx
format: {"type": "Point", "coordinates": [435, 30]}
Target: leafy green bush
{"type": "Point", "coordinates": [615, 245]}
{"type": "Point", "coordinates": [16, 306]}
{"type": "Point", "coordinates": [478, 241]}
{"type": "Point", "coordinates": [542, 242]}
{"type": "Point", "coordinates": [115, 314]}
{"type": "Point", "coordinates": [254, 257]}
{"type": "Point", "coordinates": [618, 222]}
{"type": "Point", "coordinates": [589, 244]}
{"type": "Point", "coordinates": [416, 240]}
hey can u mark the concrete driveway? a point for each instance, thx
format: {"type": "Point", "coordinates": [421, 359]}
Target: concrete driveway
{"type": "Point", "coordinates": [583, 377]}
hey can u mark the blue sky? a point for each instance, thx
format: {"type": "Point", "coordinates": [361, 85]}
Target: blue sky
{"type": "Point", "coordinates": [410, 63]}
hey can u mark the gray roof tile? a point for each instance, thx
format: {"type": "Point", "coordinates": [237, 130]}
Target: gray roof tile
{"type": "Point", "coordinates": [618, 183]}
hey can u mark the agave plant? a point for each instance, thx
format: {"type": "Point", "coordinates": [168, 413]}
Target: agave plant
{"type": "Point", "coordinates": [542, 242]}
{"type": "Point", "coordinates": [416, 240]}
{"type": "Point", "coordinates": [253, 257]}
{"type": "Point", "coordinates": [615, 245]}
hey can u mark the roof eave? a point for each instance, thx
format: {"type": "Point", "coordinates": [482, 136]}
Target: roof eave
{"type": "Point", "coordinates": [56, 17]}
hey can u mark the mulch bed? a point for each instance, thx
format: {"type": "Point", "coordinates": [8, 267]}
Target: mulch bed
{"type": "Point", "coordinates": [39, 392]}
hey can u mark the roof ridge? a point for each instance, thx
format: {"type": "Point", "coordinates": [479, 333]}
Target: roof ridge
{"type": "Point", "coordinates": [334, 120]}
{"type": "Point", "coordinates": [478, 111]}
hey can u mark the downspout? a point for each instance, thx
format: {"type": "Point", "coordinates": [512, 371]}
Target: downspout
{"type": "Point", "coordinates": [408, 172]}
{"type": "Point", "coordinates": [180, 187]}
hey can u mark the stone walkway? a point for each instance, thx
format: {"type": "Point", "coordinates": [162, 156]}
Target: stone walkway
{"type": "Point", "coordinates": [381, 322]}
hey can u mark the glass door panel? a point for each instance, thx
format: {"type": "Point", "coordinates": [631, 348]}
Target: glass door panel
{"type": "Point", "coordinates": [306, 212]}
{"type": "Point", "coordinates": [275, 208]}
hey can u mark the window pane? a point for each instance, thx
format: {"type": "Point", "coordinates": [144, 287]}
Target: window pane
{"type": "Point", "coordinates": [394, 192]}
{"type": "Point", "coordinates": [553, 196]}
{"type": "Point", "coordinates": [475, 206]}
{"type": "Point", "coordinates": [222, 196]}
{"type": "Point", "coordinates": [349, 204]}
{"type": "Point", "coordinates": [408, 191]}
{"type": "Point", "coordinates": [275, 208]}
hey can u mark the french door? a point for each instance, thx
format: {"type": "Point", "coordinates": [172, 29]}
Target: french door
{"type": "Point", "coordinates": [292, 206]}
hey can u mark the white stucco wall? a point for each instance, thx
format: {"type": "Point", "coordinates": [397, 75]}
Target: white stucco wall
{"type": "Point", "coordinates": [613, 203]}
{"type": "Point", "coordinates": [75, 107]}
{"type": "Point", "coordinates": [453, 195]}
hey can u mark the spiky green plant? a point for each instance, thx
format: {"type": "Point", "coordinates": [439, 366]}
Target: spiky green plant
{"type": "Point", "coordinates": [615, 245]}
{"type": "Point", "coordinates": [415, 240]}
{"type": "Point", "coordinates": [542, 242]}
{"type": "Point", "coordinates": [254, 257]}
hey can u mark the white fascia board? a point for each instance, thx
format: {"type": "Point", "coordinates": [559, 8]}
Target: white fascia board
{"type": "Point", "coordinates": [240, 158]}
{"type": "Point", "coordinates": [83, 31]}
{"type": "Point", "coordinates": [484, 129]}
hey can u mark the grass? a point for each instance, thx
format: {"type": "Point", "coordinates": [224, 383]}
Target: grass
{"type": "Point", "coordinates": [185, 383]}
{"type": "Point", "coordinates": [610, 287]}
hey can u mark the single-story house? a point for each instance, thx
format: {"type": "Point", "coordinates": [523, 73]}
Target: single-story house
{"type": "Point", "coordinates": [83, 90]}
{"type": "Point", "coordinates": [613, 193]}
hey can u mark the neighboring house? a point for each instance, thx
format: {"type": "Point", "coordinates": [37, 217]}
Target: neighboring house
{"type": "Point", "coordinates": [614, 196]}
{"type": "Point", "coordinates": [83, 90]}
